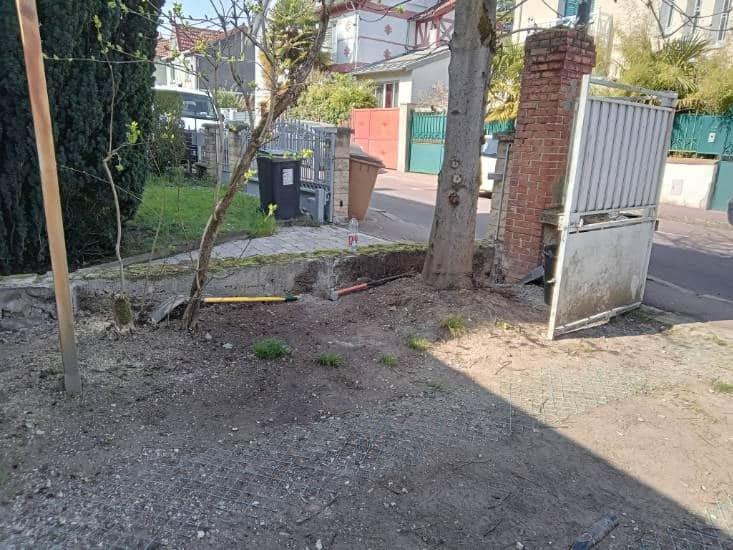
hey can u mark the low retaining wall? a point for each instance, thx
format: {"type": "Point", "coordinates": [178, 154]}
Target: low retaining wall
{"type": "Point", "coordinates": [27, 297]}
{"type": "Point", "coordinates": [689, 182]}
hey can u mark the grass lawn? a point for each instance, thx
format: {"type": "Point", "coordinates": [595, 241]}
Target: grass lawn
{"type": "Point", "coordinates": [178, 209]}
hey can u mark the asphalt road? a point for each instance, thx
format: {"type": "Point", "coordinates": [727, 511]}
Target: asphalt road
{"type": "Point", "coordinates": [691, 268]}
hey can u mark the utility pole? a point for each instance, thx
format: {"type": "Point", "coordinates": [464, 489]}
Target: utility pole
{"type": "Point", "coordinates": [38, 92]}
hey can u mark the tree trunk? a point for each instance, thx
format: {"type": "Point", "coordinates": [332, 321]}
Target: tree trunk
{"type": "Point", "coordinates": [239, 177]}
{"type": "Point", "coordinates": [448, 262]}
{"type": "Point", "coordinates": [215, 220]}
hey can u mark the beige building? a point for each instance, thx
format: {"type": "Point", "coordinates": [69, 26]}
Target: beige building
{"type": "Point", "coordinates": [710, 19]}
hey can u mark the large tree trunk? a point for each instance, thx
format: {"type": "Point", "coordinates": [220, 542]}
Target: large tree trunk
{"type": "Point", "coordinates": [450, 253]}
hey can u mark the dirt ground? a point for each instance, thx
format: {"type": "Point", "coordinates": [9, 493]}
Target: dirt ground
{"type": "Point", "coordinates": [496, 438]}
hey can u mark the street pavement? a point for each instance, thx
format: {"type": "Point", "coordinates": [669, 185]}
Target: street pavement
{"type": "Point", "coordinates": [691, 267]}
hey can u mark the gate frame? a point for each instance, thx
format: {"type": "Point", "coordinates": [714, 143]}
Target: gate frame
{"type": "Point", "coordinates": [569, 222]}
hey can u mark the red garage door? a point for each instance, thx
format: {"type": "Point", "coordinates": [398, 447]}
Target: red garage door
{"type": "Point", "coordinates": [376, 131]}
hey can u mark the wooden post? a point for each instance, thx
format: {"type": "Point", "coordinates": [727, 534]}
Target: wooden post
{"type": "Point", "coordinates": [38, 92]}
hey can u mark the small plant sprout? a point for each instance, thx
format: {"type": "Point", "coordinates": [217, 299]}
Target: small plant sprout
{"type": "Point", "coordinates": [330, 359]}
{"type": "Point", "coordinates": [417, 342]}
{"type": "Point", "coordinates": [270, 348]}
{"type": "Point", "coordinates": [454, 324]}
{"type": "Point", "coordinates": [265, 224]}
{"type": "Point", "coordinates": [502, 324]}
{"type": "Point", "coordinates": [388, 361]}
{"type": "Point", "coordinates": [719, 386]}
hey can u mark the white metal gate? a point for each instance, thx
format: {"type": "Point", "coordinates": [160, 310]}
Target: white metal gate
{"type": "Point", "coordinates": [619, 147]}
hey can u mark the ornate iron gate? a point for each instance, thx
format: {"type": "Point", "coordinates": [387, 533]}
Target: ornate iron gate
{"type": "Point", "coordinates": [619, 148]}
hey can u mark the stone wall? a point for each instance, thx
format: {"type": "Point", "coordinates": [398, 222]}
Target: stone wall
{"type": "Point", "coordinates": [341, 175]}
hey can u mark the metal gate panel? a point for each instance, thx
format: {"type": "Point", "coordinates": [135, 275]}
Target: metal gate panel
{"type": "Point", "coordinates": [619, 147]}
{"type": "Point", "coordinates": [427, 142]}
{"type": "Point", "coordinates": [376, 131]}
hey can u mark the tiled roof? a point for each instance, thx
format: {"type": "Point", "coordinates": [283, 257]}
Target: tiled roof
{"type": "Point", "coordinates": [163, 47]}
{"type": "Point", "coordinates": [187, 37]}
{"type": "Point", "coordinates": [406, 62]}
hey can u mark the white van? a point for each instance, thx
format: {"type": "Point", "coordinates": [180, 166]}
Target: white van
{"type": "Point", "coordinates": [197, 106]}
{"type": "Point", "coordinates": [198, 109]}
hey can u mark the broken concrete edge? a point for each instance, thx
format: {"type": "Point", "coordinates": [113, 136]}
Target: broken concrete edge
{"type": "Point", "coordinates": [158, 271]}
{"type": "Point", "coordinates": [280, 274]}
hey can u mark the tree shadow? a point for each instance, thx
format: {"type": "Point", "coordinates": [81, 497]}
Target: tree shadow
{"type": "Point", "coordinates": [418, 455]}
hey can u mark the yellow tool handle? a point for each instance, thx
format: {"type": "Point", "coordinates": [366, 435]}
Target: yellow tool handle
{"type": "Point", "coordinates": [241, 299]}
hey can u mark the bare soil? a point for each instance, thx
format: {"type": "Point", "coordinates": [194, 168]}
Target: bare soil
{"type": "Point", "coordinates": [496, 438]}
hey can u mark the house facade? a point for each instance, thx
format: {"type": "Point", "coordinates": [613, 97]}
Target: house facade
{"type": "Point", "coordinates": [178, 64]}
{"type": "Point", "coordinates": [362, 32]}
{"type": "Point", "coordinates": [413, 63]}
{"type": "Point", "coordinates": [708, 19]}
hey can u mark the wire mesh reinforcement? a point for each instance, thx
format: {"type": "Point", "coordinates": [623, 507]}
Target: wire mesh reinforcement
{"type": "Point", "coordinates": [270, 483]}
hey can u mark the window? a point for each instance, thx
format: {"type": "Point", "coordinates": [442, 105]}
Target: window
{"type": "Point", "coordinates": [330, 41]}
{"type": "Point", "coordinates": [723, 25]}
{"type": "Point", "coordinates": [197, 106]}
{"type": "Point", "coordinates": [665, 13]}
{"type": "Point", "coordinates": [693, 11]}
{"type": "Point", "coordinates": [569, 8]}
{"type": "Point", "coordinates": [387, 94]}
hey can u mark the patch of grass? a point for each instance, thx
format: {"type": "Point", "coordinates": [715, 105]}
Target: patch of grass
{"type": "Point", "coordinates": [262, 225]}
{"type": "Point", "coordinates": [178, 210]}
{"type": "Point", "coordinates": [722, 387]}
{"type": "Point", "coordinates": [502, 324]}
{"type": "Point", "coordinates": [270, 348]}
{"type": "Point", "coordinates": [417, 342]}
{"type": "Point", "coordinates": [389, 361]}
{"type": "Point", "coordinates": [330, 359]}
{"type": "Point", "coordinates": [3, 478]}
{"type": "Point", "coordinates": [454, 324]}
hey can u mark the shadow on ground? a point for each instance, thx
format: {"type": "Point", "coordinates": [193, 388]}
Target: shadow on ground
{"type": "Point", "coordinates": [192, 442]}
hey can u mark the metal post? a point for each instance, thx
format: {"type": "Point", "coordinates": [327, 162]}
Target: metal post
{"type": "Point", "coordinates": [38, 92]}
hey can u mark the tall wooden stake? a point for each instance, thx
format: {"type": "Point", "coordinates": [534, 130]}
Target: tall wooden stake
{"type": "Point", "coordinates": [31, 38]}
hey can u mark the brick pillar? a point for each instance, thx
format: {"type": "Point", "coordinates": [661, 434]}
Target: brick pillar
{"type": "Point", "coordinates": [341, 175]}
{"type": "Point", "coordinates": [555, 61]}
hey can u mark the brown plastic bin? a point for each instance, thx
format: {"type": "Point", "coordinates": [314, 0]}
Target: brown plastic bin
{"type": "Point", "coordinates": [363, 171]}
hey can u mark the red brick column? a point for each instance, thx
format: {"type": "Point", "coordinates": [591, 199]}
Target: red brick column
{"type": "Point", "coordinates": [555, 61]}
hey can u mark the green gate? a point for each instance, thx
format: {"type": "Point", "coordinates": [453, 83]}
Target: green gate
{"type": "Point", "coordinates": [427, 137]}
{"type": "Point", "coordinates": [723, 186]}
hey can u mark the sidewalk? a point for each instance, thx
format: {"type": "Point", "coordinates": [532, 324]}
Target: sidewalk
{"type": "Point", "coordinates": [695, 216]}
{"type": "Point", "coordinates": [288, 240]}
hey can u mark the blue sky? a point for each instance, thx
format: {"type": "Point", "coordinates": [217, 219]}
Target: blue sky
{"type": "Point", "coordinates": [195, 8]}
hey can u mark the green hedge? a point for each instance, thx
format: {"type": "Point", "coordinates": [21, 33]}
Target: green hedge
{"type": "Point", "coordinates": [79, 93]}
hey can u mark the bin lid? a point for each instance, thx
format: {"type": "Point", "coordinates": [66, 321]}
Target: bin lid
{"type": "Point", "coordinates": [357, 153]}
{"type": "Point", "coordinates": [276, 154]}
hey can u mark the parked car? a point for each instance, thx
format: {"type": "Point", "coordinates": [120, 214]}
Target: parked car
{"type": "Point", "coordinates": [488, 164]}
{"type": "Point", "coordinates": [198, 109]}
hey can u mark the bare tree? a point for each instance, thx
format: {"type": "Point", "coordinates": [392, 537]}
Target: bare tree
{"type": "Point", "coordinates": [450, 252]}
{"type": "Point", "coordinates": [290, 47]}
